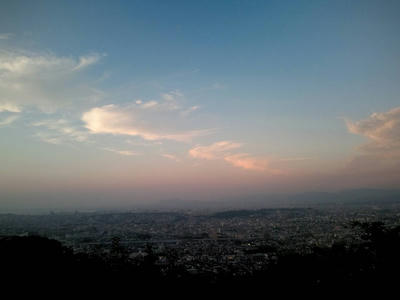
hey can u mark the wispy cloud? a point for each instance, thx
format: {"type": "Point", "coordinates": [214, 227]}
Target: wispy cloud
{"type": "Point", "coordinates": [190, 110]}
{"type": "Point", "coordinates": [149, 104]}
{"type": "Point", "coordinates": [10, 107]}
{"type": "Point", "coordinates": [8, 120]}
{"type": "Point", "coordinates": [122, 152]}
{"type": "Point", "coordinates": [172, 95]}
{"type": "Point", "coordinates": [131, 120]}
{"type": "Point", "coordinates": [245, 161]}
{"type": "Point", "coordinates": [45, 81]}
{"type": "Point", "coordinates": [171, 157]}
{"type": "Point", "coordinates": [49, 138]}
{"type": "Point", "coordinates": [213, 151]}
{"type": "Point", "coordinates": [85, 61]}
{"type": "Point", "coordinates": [5, 36]}
{"type": "Point", "coordinates": [169, 102]}
{"type": "Point", "coordinates": [60, 131]}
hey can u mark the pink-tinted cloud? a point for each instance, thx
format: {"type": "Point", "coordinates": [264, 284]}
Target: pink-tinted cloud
{"type": "Point", "coordinates": [223, 151]}
{"type": "Point", "coordinates": [245, 161]}
{"type": "Point", "coordinates": [214, 151]}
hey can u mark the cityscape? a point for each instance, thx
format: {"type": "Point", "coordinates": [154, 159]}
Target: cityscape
{"type": "Point", "coordinates": [237, 242]}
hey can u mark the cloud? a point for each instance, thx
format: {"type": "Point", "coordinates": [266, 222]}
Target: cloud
{"type": "Point", "coordinates": [131, 120]}
{"type": "Point", "coordinates": [245, 161]}
{"type": "Point", "coordinates": [149, 104]}
{"type": "Point", "coordinates": [45, 81]}
{"type": "Point", "coordinates": [168, 97]}
{"type": "Point", "coordinates": [49, 138]}
{"type": "Point", "coordinates": [171, 157]}
{"type": "Point", "coordinates": [213, 151]}
{"type": "Point", "coordinates": [122, 152]}
{"type": "Point", "coordinates": [60, 131]}
{"type": "Point", "coordinates": [190, 110]}
{"type": "Point", "coordinates": [85, 61]}
{"type": "Point", "coordinates": [383, 132]}
{"type": "Point", "coordinates": [169, 102]}
{"type": "Point", "coordinates": [172, 95]}
{"type": "Point", "coordinates": [8, 120]}
{"type": "Point", "coordinates": [222, 151]}
{"type": "Point", "coordinates": [5, 36]}
{"type": "Point", "coordinates": [9, 107]}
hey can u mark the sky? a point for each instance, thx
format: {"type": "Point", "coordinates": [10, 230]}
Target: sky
{"type": "Point", "coordinates": [117, 103]}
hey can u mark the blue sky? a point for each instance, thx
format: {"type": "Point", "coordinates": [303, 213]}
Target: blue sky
{"type": "Point", "coordinates": [154, 96]}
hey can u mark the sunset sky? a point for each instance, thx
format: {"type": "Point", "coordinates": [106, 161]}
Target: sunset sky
{"type": "Point", "coordinates": [110, 103]}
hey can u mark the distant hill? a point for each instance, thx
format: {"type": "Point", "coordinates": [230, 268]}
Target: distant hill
{"type": "Point", "coordinates": [308, 199]}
